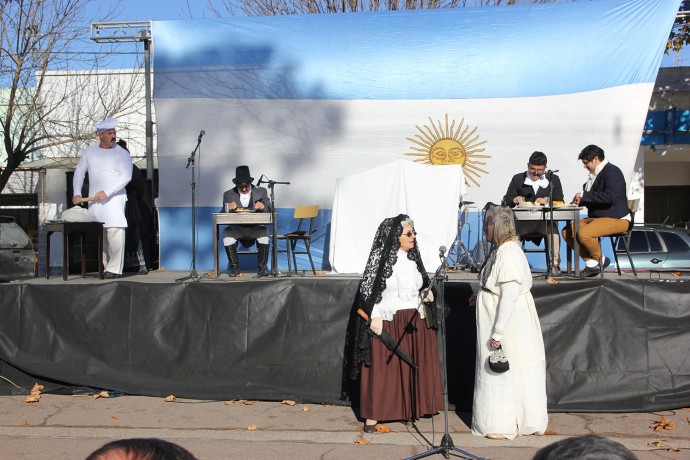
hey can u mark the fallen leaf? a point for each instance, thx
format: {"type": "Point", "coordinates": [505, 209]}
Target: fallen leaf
{"type": "Point", "coordinates": [657, 444]}
{"type": "Point", "coordinates": [287, 402]}
{"type": "Point", "coordinates": [37, 387]}
{"type": "Point", "coordinates": [663, 424]}
{"type": "Point", "coordinates": [104, 394]}
{"type": "Point", "coordinates": [362, 441]}
{"type": "Point", "coordinates": [677, 274]}
{"type": "Point", "coordinates": [170, 398]}
{"type": "Point", "coordinates": [32, 398]}
{"type": "Point", "coordinates": [552, 280]}
{"type": "Point", "coordinates": [251, 428]}
{"type": "Point", "coordinates": [25, 422]}
{"type": "Point", "coordinates": [381, 428]}
{"type": "Point", "coordinates": [96, 395]}
{"type": "Point", "coordinates": [112, 417]}
{"type": "Point", "coordinates": [246, 402]}
{"type": "Point", "coordinates": [161, 269]}
{"type": "Point", "coordinates": [211, 274]}
{"type": "Point", "coordinates": [229, 403]}
{"type": "Point", "coordinates": [306, 409]}
{"type": "Point", "coordinates": [549, 432]}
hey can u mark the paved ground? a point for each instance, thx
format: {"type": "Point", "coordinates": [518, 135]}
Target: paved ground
{"type": "Point", "coordinates": [69, 427]}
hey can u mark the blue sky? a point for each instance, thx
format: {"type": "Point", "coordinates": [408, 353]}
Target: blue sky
{"type": "Point", "coordinates": [141, 10]}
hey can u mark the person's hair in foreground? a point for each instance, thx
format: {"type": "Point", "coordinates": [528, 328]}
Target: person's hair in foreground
{"type": "Point", "coordinates": [588, 447]}
{"type": "Point", "coordinates": [141, 449]}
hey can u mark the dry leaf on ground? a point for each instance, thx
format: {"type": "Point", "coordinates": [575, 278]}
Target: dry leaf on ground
{"type": "Point", "coordinates": [677, 274]}
{"type": "Point", "coordinates": [246, 402]}
{"type": "Point", "coordinates": [287, 402]}
{"type": "Point", "coordinates": [306, 409]}
{"type": "Point", "coordinates": [662, 424]}
{"type": "Point", "coordinates": [381, 428]}
{"type": "Point", "coordinates": [170, 398]}
{"type": "Point", "coordinates": [32, 398]}
{"type": "Point", "coordinates": [25, 422]}
{"type": "Point", "coordinates": [112, 417]}
{"type": "Point", "coordinates": [664, 446]}
{"type": "Point", "coordinates": [552, 280]}
{"type": "Point", "coordinates": [251, 428]}
{"type": "Point", "coordinates": [229, 403]}
{"type": "Point", "coordinates": [362, 441]}
{"type": "Point", "coordinates": [549, 432]}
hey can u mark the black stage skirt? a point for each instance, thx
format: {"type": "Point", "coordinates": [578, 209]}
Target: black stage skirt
{"type": "Point", "coordinates": [390, 388]}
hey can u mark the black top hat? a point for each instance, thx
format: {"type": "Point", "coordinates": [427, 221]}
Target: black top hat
{"type": "Point", "coordinates": [242, 176]}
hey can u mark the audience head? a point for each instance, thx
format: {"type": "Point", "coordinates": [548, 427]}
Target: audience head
{"type": "Point", "coordinates": [141, 449]}
{"type": "Point", "coordinates": [588, 447]}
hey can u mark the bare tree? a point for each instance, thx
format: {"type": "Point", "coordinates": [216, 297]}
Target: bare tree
{"type": "Point", "coordinates": [52, 90]}
{"type": "Point", "coordinates": [282, 7]}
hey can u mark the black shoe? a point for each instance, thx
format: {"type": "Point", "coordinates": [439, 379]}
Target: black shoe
{"type": "Point", "coordinates": [110, 275]}
{"type": "Point", "coordinates": [143, 270]}
{"type": "Point", "coordinates": [369, 428]}
{"type": "Point", "coordinates": [607, 262]}
{"type": "Point", "coordinates": [233, 259]}
{"type": "Point", "coordinates": [589, 272]}
{"type": "Point", "coordinates": [262, 260]}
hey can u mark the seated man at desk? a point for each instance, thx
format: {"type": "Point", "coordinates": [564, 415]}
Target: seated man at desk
{"type": "Point", "coordinates": [533, 186]}
{"type": "Point", "coordinates": [606, 201]}
{"type": "Point", "coordinates": [246, 197]}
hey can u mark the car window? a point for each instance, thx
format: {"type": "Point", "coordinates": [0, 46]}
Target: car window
{"type": "Point", "coordinates": [673, 242]}
{"type": "Point", "coordinates": [654, 243]}
{"type": "Point", "coordinates": [638, 242]}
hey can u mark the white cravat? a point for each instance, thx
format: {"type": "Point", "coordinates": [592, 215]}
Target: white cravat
{"type": "Point", "coordinates": [244, 198]}
{"type": "Point", "coordinates": [592, 176]}
{"type": "Point", "coordinates": [541, 182]}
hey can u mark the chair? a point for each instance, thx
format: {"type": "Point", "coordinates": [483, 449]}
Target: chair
{"type": "Point", "coordinates": [535, 238]}
{"type": "Point", "coordinates": [302, 213]}
{"type": "Point", "coordinates": [624, 237]}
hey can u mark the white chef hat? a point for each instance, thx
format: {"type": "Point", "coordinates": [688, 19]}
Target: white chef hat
{"type": "Point", "coordinates": [105, 125]}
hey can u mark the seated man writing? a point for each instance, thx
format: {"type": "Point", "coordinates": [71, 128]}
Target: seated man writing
{"type": "Point", "coordinates": [604, 196]}
{"type": "Point", "coordinates": [246, 196]}
{"type": "Point", "coordinates": [533, 186]}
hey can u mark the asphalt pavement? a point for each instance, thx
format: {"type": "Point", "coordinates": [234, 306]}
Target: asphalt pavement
{"type": "Point", "coordinates": [70, 427]}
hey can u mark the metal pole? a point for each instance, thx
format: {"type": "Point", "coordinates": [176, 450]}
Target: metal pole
{"type": "Point", "coordinates": [149, 121]}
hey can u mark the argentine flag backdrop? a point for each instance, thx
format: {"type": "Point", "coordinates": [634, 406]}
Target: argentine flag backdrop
{"type": "Point", "coordinates": [308, 99]}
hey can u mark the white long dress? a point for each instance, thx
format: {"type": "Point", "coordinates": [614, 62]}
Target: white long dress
{"type": "Point", "coordinates": [514, 402]}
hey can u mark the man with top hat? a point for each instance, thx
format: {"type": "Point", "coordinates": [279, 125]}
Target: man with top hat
{"type": "Point", "coordinates": [246, 197]}
{"type": "Point", "coordinates": [110, 169]}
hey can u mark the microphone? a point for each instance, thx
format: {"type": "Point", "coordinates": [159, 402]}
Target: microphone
{"type": "Point", "coordinates": [260, 179]}
{"type": "Point", "coordinates": [548, 174]}
{"type": "Point", "coordinates": [441, 252]}
{"type": "Point", "coordinates": [201, 134]}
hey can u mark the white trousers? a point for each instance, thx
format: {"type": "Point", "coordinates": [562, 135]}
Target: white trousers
{"type": "Point", "coordinates": [113, 249]}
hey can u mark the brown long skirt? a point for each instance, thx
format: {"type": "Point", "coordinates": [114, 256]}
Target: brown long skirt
{"type": "Point", "coordinates": [390, 388]}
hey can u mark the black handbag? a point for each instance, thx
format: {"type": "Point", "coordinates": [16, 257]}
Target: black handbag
{"type": "Point", "coordinates": [498, 361]}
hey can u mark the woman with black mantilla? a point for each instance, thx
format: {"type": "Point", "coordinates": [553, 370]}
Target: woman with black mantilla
{"type": "Point", "coordinates": [394, 289]}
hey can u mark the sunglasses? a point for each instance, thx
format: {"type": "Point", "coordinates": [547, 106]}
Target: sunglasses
{"type": "Point", "coordinates": [410, 234]}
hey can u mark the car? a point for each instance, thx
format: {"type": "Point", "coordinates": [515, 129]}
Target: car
{"type": "Point", "coordinates": [656, 247]}
{"type": "Point", "coordinates": [17, 256]}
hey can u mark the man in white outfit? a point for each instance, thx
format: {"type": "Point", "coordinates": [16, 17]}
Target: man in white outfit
{"type": "Point", "coordinates": [110, 168]}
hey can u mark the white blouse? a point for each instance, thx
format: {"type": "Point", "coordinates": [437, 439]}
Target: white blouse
{"type": "Point", "coordinates": [402, 290]}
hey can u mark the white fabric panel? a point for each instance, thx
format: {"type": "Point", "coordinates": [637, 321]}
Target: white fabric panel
{"type": "Point", "coordinates": [430, 195]}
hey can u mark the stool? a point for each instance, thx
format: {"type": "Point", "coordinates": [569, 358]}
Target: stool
{"type": "Point", "coordinates": [81, 228]}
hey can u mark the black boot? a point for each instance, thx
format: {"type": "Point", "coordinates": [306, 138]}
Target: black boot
{"type": "Point", "coordinates": [234, 260]}
{"type": "Point", "coordinates": [262, 260]}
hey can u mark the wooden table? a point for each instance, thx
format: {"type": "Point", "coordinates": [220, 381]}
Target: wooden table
{"type": "Point", "coordinates": [81, 228]}
{"type": "Point", "coordinates": [238, 218]}
{"type": "Point", "coordinates": [560, 213]}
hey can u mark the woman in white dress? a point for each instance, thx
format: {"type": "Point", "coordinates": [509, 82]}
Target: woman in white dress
{"type": "Point", "coordinates": [512, 403]}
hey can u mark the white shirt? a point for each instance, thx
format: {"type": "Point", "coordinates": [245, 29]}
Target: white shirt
{"type": "Point", "coordinates": [402, 290]}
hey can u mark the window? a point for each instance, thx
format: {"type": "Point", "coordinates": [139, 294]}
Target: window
{"type": "Point", "coordinates": [674, 243]}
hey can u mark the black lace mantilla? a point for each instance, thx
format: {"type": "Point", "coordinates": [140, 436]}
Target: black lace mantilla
{"type": "Point", "coordinates": [382, 258]}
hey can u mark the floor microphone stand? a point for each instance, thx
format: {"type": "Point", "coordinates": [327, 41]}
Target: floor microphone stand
{"type": "Point", "coordinates": [193, 275]}
{"type": "Point", "coordinates": [274, 219]}
{"type": "Point", "coordinates": [446, 445]}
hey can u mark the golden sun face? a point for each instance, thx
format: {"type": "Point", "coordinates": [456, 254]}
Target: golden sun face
{"type": "Point", "coordinates": [446, 145]}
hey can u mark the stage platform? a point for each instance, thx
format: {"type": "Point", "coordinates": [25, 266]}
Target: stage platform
{"type": "Point", "coordinates": [613, 344]}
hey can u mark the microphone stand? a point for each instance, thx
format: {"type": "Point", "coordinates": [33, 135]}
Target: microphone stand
{"type": "Point", "coordinates": [193, 275]}
{"type": "Point", "coordinates": [549, 271]}
{"type": "Point", "coordinates": [274, 219]}
{"type": "Point", "coordinates": [446, 445]}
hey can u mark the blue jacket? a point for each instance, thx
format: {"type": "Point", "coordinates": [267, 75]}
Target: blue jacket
{"type": "Point", "coordinates": [608, 197]}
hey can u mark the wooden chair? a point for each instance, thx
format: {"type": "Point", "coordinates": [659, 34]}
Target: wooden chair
{"type": "Point", "coordinates": [303, 213]}
{"type": "Point", "coordinates": [624, 237]}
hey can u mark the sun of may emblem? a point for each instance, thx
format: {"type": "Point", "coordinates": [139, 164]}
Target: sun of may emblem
{"type": "Point", "coordinates": [439, 145]}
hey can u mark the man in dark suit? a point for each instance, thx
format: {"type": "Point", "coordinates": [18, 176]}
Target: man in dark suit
{"type": "Point", "coordinates": [606, 201]}
{"type": "Point", "coordinates": [246, 197]}
{"type": "Point", "coordinates": [533, 186]}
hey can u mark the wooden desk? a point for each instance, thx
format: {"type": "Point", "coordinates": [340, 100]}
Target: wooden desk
{"type": "Point", "coordinates": [81, 228]}
{"type": "Point", "coordinates": [563, 213]}
{"type": "Point", "coordinates": [239, 218]}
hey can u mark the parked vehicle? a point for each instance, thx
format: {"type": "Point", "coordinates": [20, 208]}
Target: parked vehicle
{"type": "Point", "coordinates": [657, 247]}
{"type": "Point", "coordinates": [17, 256]}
